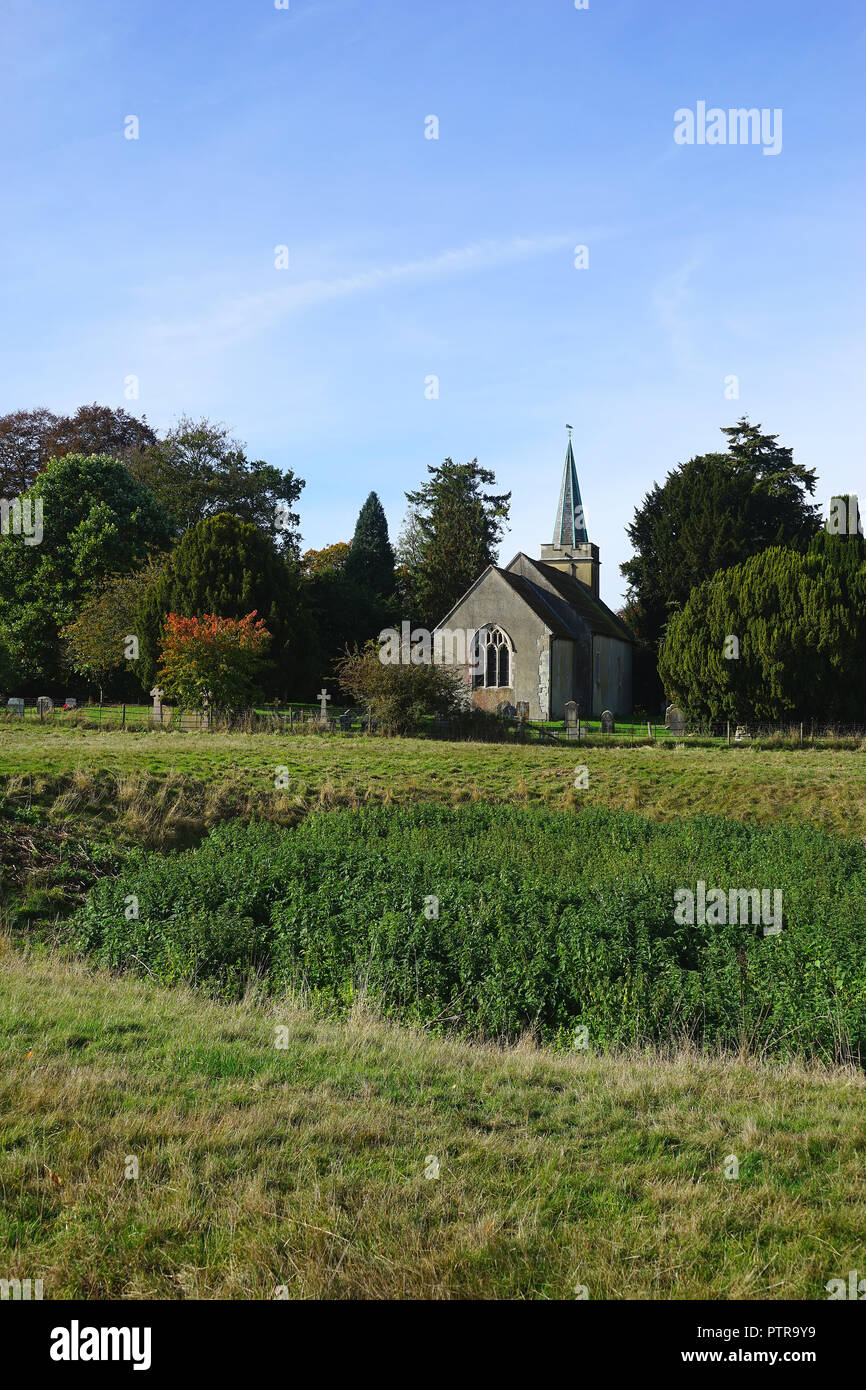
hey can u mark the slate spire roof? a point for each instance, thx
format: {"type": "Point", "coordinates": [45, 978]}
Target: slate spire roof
{"type": "Point", "coordinates": [570, 525]}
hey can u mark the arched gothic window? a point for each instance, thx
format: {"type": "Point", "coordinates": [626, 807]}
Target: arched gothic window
{"type": "Point", "coordinates": [493, 658]}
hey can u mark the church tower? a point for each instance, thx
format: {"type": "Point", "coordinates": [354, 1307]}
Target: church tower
{"type": "Point", "coordinates": [572, 550]}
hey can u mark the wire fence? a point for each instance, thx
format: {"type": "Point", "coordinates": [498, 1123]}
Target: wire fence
{"type": "Point", "coordinates": [473, 726]}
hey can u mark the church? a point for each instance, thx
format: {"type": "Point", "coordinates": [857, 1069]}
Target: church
{"type": "Point", "coordinates": [542, 635]}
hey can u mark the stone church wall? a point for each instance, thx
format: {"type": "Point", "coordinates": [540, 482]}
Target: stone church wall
{"type": "Point", "coordinates": [494, 601]}
{"type": "Point", "coordinates": [611, 676]}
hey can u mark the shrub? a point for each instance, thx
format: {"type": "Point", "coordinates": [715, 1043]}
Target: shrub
{"type": "Point", "coordinates": [399, 695]}
{"type": "Point", "coordinates": [800, 622]}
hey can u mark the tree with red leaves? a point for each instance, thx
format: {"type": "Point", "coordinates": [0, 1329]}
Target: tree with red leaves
{"type": "Point", "coordinates": [212, 660]}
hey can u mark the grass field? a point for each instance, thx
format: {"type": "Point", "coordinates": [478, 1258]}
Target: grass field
{"type": "Point", "coordinates": [826, 787]}
{"type": "Point", "coordinates": [304, 1166]}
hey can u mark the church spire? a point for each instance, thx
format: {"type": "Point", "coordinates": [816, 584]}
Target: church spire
{"type": "Point", "coordinates": [570, 525]}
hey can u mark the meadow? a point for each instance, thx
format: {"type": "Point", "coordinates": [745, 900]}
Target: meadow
{"type": "Point", "coordinates": [302, 1167]}
{"type": "Point", "coordinates": [110, 774]}
{"type": "Point", "coordinates": [287, 1034]}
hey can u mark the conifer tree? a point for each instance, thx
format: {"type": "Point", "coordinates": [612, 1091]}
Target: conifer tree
{"type": "Point", "coordinates": [782, 635]}
{"type": "Point", "coordinates": [458, 528]}
{"type": "Point", "coordinates": [712, 512]}
{"type": "Point", "coordinates": [225, 567]}
{"type": "Point", "coordinates": [370, 562]}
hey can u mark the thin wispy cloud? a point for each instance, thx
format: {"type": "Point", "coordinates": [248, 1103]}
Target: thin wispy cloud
{"type": "Point", "coordinates": [246, 315]}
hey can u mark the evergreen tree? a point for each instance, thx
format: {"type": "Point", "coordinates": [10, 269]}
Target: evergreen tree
{"type": "Point", "coordinates": [782, 635]}
{"type": "Point", "coordinates": [715, 511]}
{"type": "Point", "coordinates": [370, 562]}
{"type": "Point", "coordinates": [349, 591]}
{"type": "Point", "coordinates": [228, 568]}
{"type": "Point", "coordinates": [459, 526]}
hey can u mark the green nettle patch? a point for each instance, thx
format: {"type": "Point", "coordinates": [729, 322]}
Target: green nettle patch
{"type": "Point", "coordinates": [495, 920]}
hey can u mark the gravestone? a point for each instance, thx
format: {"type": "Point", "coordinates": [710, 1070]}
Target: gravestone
{"type": "Point", "coordinates": [506, 710]}
{"type": "Point", "coordinates": [742, 734]}
{"type": "Point", "coordinates": [15, 706]}
{"type": "Point", "coordinates": [572, 720]}
{"type": "Point", "coordinates": [44, 705]}
{"type": "Point", "coordinates": [156, 695]}
{"type": "Point", "coordinates": [523, 709]}
{"type": "Point", "coordinates": [347, 719]}
{"type": "Point", "coordinates": [675, 720]}
{"type": "Point", "coordinates": [323, 697]}
{"type": "Point", "coordinates": [607, 725]}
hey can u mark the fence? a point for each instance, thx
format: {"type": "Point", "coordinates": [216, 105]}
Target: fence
{"type": "Point", "coordinates": [471, 727]}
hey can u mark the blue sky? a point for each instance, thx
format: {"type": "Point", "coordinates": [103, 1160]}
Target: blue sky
{"type": "Point", "coordinates": [411, 257]}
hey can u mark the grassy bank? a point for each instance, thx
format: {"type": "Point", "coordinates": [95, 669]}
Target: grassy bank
{"type": "Point", "coordinates": [197, 779]}
{"type": "Point", "coordinates": [304, 1167]}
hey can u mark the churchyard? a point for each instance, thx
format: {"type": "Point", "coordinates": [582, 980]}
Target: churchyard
{"type": "Point", "coordinates": [450, 971]}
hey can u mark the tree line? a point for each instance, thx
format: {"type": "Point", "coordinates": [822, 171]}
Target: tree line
{"type": "Point", "coordinates": [141, 530]}
{"type": "Point", "coordinates": [742, 605]}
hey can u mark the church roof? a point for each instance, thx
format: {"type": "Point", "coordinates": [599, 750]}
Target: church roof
{"type": "Point", "coordinates": [570, 524]}
{"type": "Point", "coordinates": [595, 613]}
{"type": "Point", "coordinates": [561, 624]}
{"type": "Point", "coordinates": [562, 607]}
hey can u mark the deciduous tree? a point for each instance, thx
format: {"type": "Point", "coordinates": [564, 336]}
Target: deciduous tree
{"type": "Point", "coordinates": [198, 470]}
{"type": "Point", "coordinates": [96, 521]}
{"type": "Point", "coordinates": [212, 660]}
{"type": "Point", "coordinates": [96, 644]}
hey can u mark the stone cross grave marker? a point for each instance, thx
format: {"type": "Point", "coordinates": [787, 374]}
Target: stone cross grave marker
{"type": "Point", "coordinates": [606, 722]}
{"type": "Point", "coordinates": [675, 720]}
{"type": "Point", "coordinates": [324, 697]}
{"type": "Point", "coordinates": [157, 695]}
